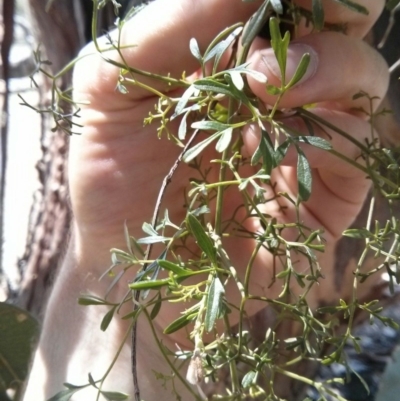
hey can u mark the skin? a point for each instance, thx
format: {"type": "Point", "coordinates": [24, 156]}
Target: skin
{"type": "Point", "coordinates": [116, 167]}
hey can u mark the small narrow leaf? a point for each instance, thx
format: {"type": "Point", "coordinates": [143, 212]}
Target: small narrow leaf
{"type": "Point", "coordinates": [354, 6]}
{"type": "Point", "coordinates": [318, 14]}
{"type": "Point", "coordinates": [184, 100]}
{"type": "Point", "coordinates": [202, 239]}
{"type": "Point", "coordinates": [210, 85]}
{"type": "Point", "coordinates": [127, 238]}
{"type": "Point", "coordinates": [180, 322]}
{"type": "Point", "coordinates": [107, 319]}
{"type": "Point", "coordinates": [209, 125]}
{"type": "Point", "coordinates": [153, 239]}
{"type": "Point", "coordinates": [156, 308]}
{"type": "Point", "coordinates": [237, 80]}
{"type": "Point", "coordinates": [315, 141]}
{"type": "Point", "coordinates": [214, 303]}
{"type": "Point", "coordinates": [224, 140]}
{"type": "Point", "coordinates": [114, 395]}
{"type": "Point", "coordinates": [91, 300]}
{"type": "Point", "coordinates": [64, 395]}
{"type": "Point", "coordinates": [149, 229]}
{"type": "Point", "coordinates": [148, 285]}
{"type": "Point", "coordinates": [360, 233]}
{"type": "Point", "coordinates": [248, 379]}
{"type": "Point", "coordinates": [194, 151]}
{"type": "Point", "coordinates": [183, 126]}
{"type": "Point", "coordinates": [174, 268]}
{"type": "Point", "coordinates": [194, 49]}
{"type": "Point", "coordinates": [300, 71]}
{"type": "Point", "coordinates": [255, 24]}
{"type": "Point", "coordinates": [304, 177]}
{"type": "Point", "coordinates": [277, 6]}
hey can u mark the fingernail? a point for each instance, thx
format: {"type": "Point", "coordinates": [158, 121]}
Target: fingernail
{"type": "Point", "coordinates": [294, 54]}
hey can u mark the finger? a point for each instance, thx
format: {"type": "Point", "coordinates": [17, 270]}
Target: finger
{"type": "Point", "coordinates": [340, 67]}
{"type": "Point", "coordinates": [355, 23]}
{"type": "Point", "coordinates": [158, 40]}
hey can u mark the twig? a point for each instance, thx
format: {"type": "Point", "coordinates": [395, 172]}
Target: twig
{"type": "Point", "coordinates": [166, 182]}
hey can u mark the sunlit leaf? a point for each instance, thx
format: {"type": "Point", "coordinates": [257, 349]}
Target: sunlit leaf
{"type": "Point", "coordinates": [214, 303]}
{"type": "Point", "coordinates": [248, 379]}
{"type": "Point", "coordinates": [224, 140]}
{"type": "Point", "coordinates": [210, 85]}
{"type": "Point", "coordinates": [194, 49]}
{"type": "Point", "coordinates": [153, 239]}
{"type": "Point", "coordinates": [203, 240]}
{"type": "Point", "coordinates": [189, 92]}
{"type": "Point", "coordinates": [277, 6]}
{"type": "Point", "coordinates": [209, 125]}
{"type": "Point", "coordinates": [237, 79]}
{"type": "Point", "coordinates": [195, 150]}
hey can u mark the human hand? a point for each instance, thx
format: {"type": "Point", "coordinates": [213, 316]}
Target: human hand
{"type": "Point", "coordinates": [116, 166]}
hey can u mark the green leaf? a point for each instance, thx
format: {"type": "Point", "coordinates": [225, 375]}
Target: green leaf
{"type": "Point", "coordinates": [237, 79]}
{"type": "Point", "coordinates": [277, 6]}
{"type": "Point", "coordinates": [107, 319]}
{"type": "Point", "coordinates": [318, 14]}
{"type": "Point", "coordinates": [360, 233]}
{"type": "Point", "coordinates": [114, 395]}
{"type": "Point", "coordinates": [210, 85]}
{"type": "Point", "coordinates": [354, 6]}
{"type": "Point", "coordinates": [391, 4]}
{"type": "Point", "coordinates": [248, 379]}
{"type": "Point", "coordinates": [220, 48]}
{"type": "Point", "coordinates": [195, 150]}
{"type": "Point", "coordinates": [315, 141]}
{"type": "Point", "coordinates": [174, 268]}
{"type": "Point", "coordinates": [214, 303]}
{"type": "Point", "coordinates": [255, 24]}
{"type": "Point", "coordinates": [189, 92]}
{"type": "Point", "coordinates": [266, 151]}
{"type": "Point", "coordinates": [18, 335]}
{"type": "Point", "coordinates": [304, 177]}
{"type": "Point", "coordinates": [273, 90]}
{"type": "Point", "coordinates": [279, 45]}
{"type": "Point", "coordinates": [149, 284]}
{"type": "Point", "coordinates": [182, 321]}
{"type": "Point", "coordinates": [153, 239]}
{"type": "Point", "coordinates": [91, 300]}
{"type": "Point", "coordinates": [156, 308]}
{"type": "Point", "coordinates": [224, 140]}
{"type": "Point", "coordinates": [149, 229]}
{"type": "Point", "coordinates": [194, 49]}
{"type": "Point", "coordinates": [300, 70]}
{"type": "Point", "coordinates": [210, 125]}
{"type": "Point", "coordinates": [64, 395]}
{"type": "Point", "coordinates": [258, 76]}
{"type": "Point", "coordinates": [203, 240]}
